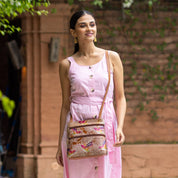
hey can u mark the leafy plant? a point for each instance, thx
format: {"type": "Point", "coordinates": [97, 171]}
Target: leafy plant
{"type": "Point", "coordinates": [7, 104]}
{"type": "Point", "coordinates": [10, 9]}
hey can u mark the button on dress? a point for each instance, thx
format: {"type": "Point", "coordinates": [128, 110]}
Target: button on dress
{"type": "Point", "coordinates": [88, 86]}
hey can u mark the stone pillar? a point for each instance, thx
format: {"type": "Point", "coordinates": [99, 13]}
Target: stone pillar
{"type": "Point", "coordinates": [41, 95]}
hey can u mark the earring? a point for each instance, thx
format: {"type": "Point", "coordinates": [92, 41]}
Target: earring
{"type": "Point", "coordinates": [75, 40]}
{"type": "Point", "coordinates": [95, 40]}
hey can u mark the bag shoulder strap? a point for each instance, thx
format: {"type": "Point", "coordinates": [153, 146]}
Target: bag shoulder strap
{"type": "Point", "coordinates": [107, 88]}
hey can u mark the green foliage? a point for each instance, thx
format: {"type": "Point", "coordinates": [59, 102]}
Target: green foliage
{"type": "Point", "coordinates": [127, 3]}
{"type": "Point", "coordinates": [70, 2]}
{"type": "Point", "coordinates": [98, 3]}
{"type": "Point", "coordinates": [162, 77]}
{"type": "Point", "coordinates": [151, 81]}
{"type": "Point", "coordinates": [134, 119]}
{"type": "Point", "coordinates": [154, 115]}
{"type": "Point", "coordinates": [151, 3]}
{"type": "Point", "coordinates": [161, 46]}
{"type": "Point", "coordinates": [7, 104]}
{"type": "Point", "coordinates": [10, 9]}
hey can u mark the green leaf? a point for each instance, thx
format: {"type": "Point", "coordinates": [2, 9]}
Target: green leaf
{"type": "Point", "coordinates": [9, 112]}
{"type": "Point", "coordinates": [141, 106]}
{"type": "Point", "coordinates": [154, 115]}
{"type": "Point", "coordinates": [12, 104]}
{"type": "Point", "coordinates": [2, 32]}
{"type": "Point", "coordinates": [8, 105]}
{"type": "Point", "coordinates": [70, 2]}
{"type": "Point", "coordinates": [45, 4]}
{"type": "Point", "coordinates": [134, 119]}
{"type": "Point", "coordinates": [98, 3]}
{"type": "Point", "coordinates": [53, 10]}
{"type": "Point", "coordinates": [162, 97]}
{"type": "Point", "coordinates": [150, 3]}
{"type": "Point", "coordinates": [38, 12]}
{"type": "Point", "coordinates": [5, 101]}
{"type": "Point", "coordinates": [135, 83]}
{"type": "Point", "coordinates": [1, 94]}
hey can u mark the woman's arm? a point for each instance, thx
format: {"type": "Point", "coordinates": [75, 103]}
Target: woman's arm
{"type": "Point", "coordinates": [120, 101]}
{"type": "Point", "coordinates": [65, 86]}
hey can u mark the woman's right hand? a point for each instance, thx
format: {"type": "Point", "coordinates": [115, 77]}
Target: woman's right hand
{"type": "Point", "coordinates": [59, 157]}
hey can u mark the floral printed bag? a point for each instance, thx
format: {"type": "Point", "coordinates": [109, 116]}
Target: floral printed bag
{"type": "Point", "coordinates": [87, 138]}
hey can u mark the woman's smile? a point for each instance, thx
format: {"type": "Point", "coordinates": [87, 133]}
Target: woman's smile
{"type": "Point", "coordinates": [89, 34]}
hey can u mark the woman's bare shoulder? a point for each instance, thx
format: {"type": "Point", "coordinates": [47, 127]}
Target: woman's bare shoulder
{"type": "Point", "coordinates": [64, 65]}
{"type": "Point", "coordinates": [114, 55]}
{"type": "Point", "coordinates": [115, 58]}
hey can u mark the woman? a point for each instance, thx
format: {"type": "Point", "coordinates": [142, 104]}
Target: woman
{"type": "Point", "coordinates": [83, 78]}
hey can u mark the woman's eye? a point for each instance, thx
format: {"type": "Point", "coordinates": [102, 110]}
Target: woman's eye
{"type": "Point", "coordinates": [92, 24]}
{"type": "Point", "coordinates": [82, 25]}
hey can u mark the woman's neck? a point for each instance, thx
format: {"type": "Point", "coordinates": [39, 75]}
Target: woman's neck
{"type": "Point", "coordinates": [86, 49]}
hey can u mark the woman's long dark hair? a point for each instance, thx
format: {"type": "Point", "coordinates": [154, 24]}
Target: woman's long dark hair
{"type": "Point", "coordinates": [73, 22]}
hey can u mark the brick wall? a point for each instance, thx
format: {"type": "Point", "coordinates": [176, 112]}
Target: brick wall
{"type": "Point", "coordinates": [148, 46]}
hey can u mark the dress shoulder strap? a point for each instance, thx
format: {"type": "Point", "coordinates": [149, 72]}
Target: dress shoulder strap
{"type": "Point", "coordinates": [72, 64]}
{"type": "Point", "coordinates": [70, 59]}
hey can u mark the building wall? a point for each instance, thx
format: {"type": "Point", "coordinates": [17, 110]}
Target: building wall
{"type": "Point", "coordinates": [40, 88]}
{"type": "Point", "coordinates": [147, 44]}
{"type": "Point", "coordinates": [41, 92]}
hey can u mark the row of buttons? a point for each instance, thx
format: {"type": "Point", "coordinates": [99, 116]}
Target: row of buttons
{"type": "Point", "coordinates": [91, 76]}
{"type": "Point", "coordinates": [95, 116]}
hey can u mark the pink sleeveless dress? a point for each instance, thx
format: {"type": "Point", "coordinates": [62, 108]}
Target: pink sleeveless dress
{"type": "Point", "coordinates": [88, 84]}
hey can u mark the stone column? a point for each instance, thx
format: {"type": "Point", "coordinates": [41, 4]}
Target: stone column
{"type": "Point", "coordinates": [41, 95]}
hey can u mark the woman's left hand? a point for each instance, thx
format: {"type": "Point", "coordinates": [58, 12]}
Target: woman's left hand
{"type": "Point", "coordinates": [120, 138]}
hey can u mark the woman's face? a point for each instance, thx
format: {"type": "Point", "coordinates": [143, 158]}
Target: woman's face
{"type": "Point", "coordinates": [85, 28]}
